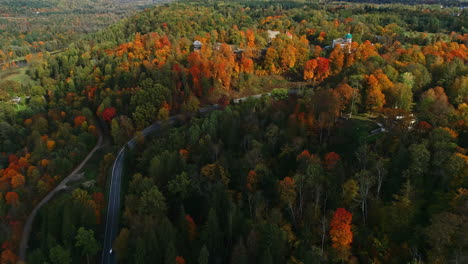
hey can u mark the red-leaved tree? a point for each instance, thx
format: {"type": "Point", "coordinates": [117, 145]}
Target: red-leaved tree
{"type": "Point", "coordinates": [340, 233]}
{"type": "Point", "coordinates": [331, 158]}
{"type": "Point", "coordinates": [108, 114]}
{"type": "Point", "coordinates": [180, 260]}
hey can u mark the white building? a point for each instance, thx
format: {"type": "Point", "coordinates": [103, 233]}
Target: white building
{"type": "Point", "coordinates": [343, 42]}
{"type": "Point", "coordinates": [16, 100]}
{"type": "Point", "coordinates": [272, 34]}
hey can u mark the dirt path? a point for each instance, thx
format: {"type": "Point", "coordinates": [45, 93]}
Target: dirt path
{"type": "Point", "coordinates": [62, 185]}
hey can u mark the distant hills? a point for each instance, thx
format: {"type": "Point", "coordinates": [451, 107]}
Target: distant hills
{"type": "Point", "coordinates": [415, 2]}
{"type": "Point", "coordinates": [27, 6]}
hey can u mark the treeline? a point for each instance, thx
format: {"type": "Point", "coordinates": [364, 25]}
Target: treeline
{"type": "Point", "coordinates": [415, 2]}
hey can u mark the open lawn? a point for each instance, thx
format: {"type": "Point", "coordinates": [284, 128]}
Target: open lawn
{"type": "Point", "coordinates": [17, 75]}
{"type": "Point", "coordinates": [362, 122]}
{"type": "Point", "coordinates": [352, 133]}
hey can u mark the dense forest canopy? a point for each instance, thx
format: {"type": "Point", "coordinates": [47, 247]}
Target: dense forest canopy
{"type": "Point", "coordinates": [254, 184]}
{"type": "Point", "coordinates": [461, 3]}
{"type": "Point", "coordinates": [30, 27]}
{"type": "Point", "coordinates": [364, 162]}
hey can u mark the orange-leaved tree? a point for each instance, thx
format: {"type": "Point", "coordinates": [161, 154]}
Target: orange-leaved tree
{"type": "Point", "coordinates": [337, 59]}
{"type": "Point", "coordinates": [346, 94]}
{"type": "Point", "coordinates": [17, 181]}
{"type": "Point", "coordinates": [375, 98]}
{"type": "Point", "coordinates": [12, 198]}
{"type": "Point", "coordinates": [79, 120]}
{"type": "Point", "coordinates": [192, 227]}
{"type": "Point", "coordinates": [309, 69]}
{"type": "Point", "coordinates": [340, 232]}
{"type": "Point", "coordinates": [317, 69]}
{"type": "Point", "coordinates": [8, 256]}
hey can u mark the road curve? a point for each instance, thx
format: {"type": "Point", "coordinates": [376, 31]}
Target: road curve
{"type": "Point", "coordinates": [62, 185]}
{"type": "Point", "coordinates": [113, 203]}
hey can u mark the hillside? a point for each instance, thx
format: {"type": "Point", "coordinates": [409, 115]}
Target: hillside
{"type": "Point", "coordinates": [365, 161]}
{"type": "Point", "coordinates": [446, 3]}
{"type": "Point", "coordinates": [29, 27]}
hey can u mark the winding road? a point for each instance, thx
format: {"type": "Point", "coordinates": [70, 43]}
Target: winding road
{"type": "Point", "coordinates": [113, 204]}
{"type": "Point", "coordinates": [61, 186]}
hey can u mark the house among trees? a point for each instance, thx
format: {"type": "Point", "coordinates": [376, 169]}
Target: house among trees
{"type": "Point", "coordinates": [197, 45]}
{"type": "Point", "coordinates": [16, 100]}
{"type": "Point", "coordinates": [272, 34]}
{"type": "Point", "coordinates": [344, 43]}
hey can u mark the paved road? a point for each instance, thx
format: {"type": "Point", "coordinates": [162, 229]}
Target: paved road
{"type": "Point", "coordinates": [62, 185]}
{"type": "Point", "coordinates": [113, 204]}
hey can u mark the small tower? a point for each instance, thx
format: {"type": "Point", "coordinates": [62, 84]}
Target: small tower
{"type": "Point", "coordinates": [349, 38]}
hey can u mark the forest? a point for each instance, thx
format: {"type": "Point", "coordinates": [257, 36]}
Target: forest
{"type": "Point", "coordinates": [446, 3]}
{"type": "Point", "coordinates": [356, 152]}
{"type": "Point", "coordinates": [31, 27]}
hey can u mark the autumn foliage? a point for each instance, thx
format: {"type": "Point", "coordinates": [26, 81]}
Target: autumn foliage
{"type": "Point", "coordinates": [388, 71]}
{"type": "Point", "coordinates": [331, 159]}
{"type": "Point", "coordinates": [109, 113]}
{"type": "Point", "coordinates": [375, 98]}
{"type": "Point", "coordinates": [340, 232]}
{"type": "Point", "coordinates": [184, 153]}
{"type": "Point", "coordinates": [11, 198]}
{"type": "Point", "coordinates": [287, 191]}
{"type": "Point", "coordinates": [8, 257]}
{"type": "Point", "coordinates": [317, 69]}
{"type": "Point", "coordinates": [180, 260]}
{"type": "Point", "coordinates": [28, 122]}
{"type": "Point", "coordinates": [192, 227]}
{"type": "Point", "coordinates": [252, 180]}
{"type": "Point", "coordinates": [79, 120]}
{"type": "Point", "coordinates": [304, 155]}
{"type": "Point", "coordinates": [50, 144]}
{"type": "Point", "coordinates": [17, 181]}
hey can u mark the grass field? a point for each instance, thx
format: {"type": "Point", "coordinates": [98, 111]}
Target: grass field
{"type": "Point", "coordinates": [363, 123]}
{"type": "Point", "coordinates": [15, 82]}
{"type": "Point", "coordinates": [352, 133]}
{"type": "Point", "coordinates": [18, 75]}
